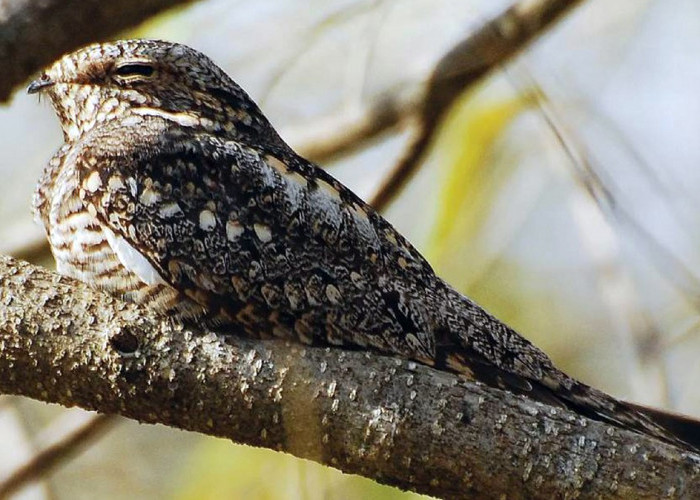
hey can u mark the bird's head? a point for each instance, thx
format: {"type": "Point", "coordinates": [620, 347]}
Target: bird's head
{"type": "Point", "coordinates": [126, 79]}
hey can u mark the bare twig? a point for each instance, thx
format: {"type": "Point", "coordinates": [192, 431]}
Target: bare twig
{"type": "Point", "coordinates": [469, 61]}
{"type": "Point", "coordinates": [391, 420]}
{"type": "Point", "coordinates": [600, 190]}
{"type": "Point", "coordinates": [55, 454]}
{"type": "Point", "coordinates": [336, 136]}
{"type": "Point", "coordinates": [36, 32]}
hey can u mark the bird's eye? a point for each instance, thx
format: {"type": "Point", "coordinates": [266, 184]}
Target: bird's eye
{"type": "Point", "coordinates": [134, 70]}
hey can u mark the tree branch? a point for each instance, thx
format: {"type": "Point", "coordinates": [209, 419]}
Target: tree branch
{"type": "Point", "coordinates": [54, 454]}
{"type": "Point", "coordinates": [33, 33]}
{"type": "Point", "coordinates": [394, 421]}
{"type": "Point", "coordinates": [328, 138]}
{"type": "Point", "coordinates": [491, 45]}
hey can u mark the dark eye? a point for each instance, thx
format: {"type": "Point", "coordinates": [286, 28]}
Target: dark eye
{"type": "Point", "coordinates": [135, 70]}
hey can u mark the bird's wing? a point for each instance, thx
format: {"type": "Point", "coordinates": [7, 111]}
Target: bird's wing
{"type": "Point", "coordinates": [269, 240]}
{"type": "Point", "coordinates": [231, 226]}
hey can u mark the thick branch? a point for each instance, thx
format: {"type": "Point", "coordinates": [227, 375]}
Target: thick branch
{"type": "Point", "coordinates": [33, 33]}
{"type": "Point", "coordinates": [391, 420]}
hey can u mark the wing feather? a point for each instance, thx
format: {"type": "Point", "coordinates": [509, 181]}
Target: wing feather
{"type": "Point", "coordinates": [260, 238]}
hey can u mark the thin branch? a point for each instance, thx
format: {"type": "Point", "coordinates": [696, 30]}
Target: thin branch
{"type": "Point", "coordinates": [36, 32]}
{"type": "Point", "coordinates": [55, 454]}
{"type": "Point", "coordinates": [391, 420]}
{"type": "Point", "coordinates": [339, 135]}
{"type": "Point", "coordinates": [596, 228]}
{"type": "Point", "coordinates": [678, 274]}
{"type": "Point", "coordinates": [467, 63]}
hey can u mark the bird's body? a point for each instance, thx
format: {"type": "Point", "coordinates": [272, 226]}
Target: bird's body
{"type": "Point", "coordinates": [174, 191]}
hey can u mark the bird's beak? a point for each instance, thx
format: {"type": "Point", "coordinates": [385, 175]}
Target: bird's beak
{"type": "Point", "coordinates": [40, 84]}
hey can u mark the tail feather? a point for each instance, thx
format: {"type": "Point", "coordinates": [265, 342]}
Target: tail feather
{"type": "Point", "coordinates": [478, 346]}
{"type": "Point", "coordinates": [672, 428]}
{"type": "Point", "coordinates": [680, 427]}
{"type": "Point", "coordinates": [561, 391]}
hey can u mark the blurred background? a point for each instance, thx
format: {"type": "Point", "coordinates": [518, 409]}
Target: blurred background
{"type": "Point", "coordinates": [560, 193]}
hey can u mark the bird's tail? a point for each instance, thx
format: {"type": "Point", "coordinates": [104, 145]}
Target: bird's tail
{"type": "Point", "coordinates": [681, 427]}
{"type": "Point", "coordinates": [673, 428]}
{"type": "Point", "coordinates": [479, 346]}
{"type": "Point", "coordinates": [559, 390]}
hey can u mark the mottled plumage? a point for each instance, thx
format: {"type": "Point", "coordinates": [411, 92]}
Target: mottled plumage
{"type": "Point", "coordinates": [173, 190]}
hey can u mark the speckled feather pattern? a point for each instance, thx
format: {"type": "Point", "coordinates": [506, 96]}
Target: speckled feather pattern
{"type": "Point", "coordinates": [173, 190]}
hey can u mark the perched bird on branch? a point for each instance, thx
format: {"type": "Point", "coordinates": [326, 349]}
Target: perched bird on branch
{"type": "Point", "coordinates": [174, 191]}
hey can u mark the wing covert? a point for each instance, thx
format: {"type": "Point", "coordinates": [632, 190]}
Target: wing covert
{"type": "Point", "coordinates": [231, 226]}
{"type": "Point", "coordinates": [261, 239]}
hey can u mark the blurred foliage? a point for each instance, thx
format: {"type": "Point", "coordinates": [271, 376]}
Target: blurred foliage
{"type": "Point", "coordinates": [471, 179]}
{"type": "Point", "coordinates": [171, 24]}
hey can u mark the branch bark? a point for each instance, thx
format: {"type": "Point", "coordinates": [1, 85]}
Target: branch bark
{"type": "Point", "coordinates": [34, 33]}
{"type": "Point", "coordinates": [391, 420]}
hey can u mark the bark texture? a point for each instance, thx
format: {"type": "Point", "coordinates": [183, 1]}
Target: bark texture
{"type": "Point", "coordinates": [394, 421]}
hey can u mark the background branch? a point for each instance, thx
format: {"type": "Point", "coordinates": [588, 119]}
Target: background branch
{"type": "Point", "coordinates": [391, 420]}
{"type": "Point", "coordinates": [491, 45]}
{"type": "Point", "coordinates": [55, 453]}
{"type": "Point", "coordinates": [34, 33]}
{"type": "Point", "coordinates": [332, 137]}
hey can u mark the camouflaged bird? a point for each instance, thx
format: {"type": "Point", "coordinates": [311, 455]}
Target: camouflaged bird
{"type": "Point", "coordinates": [174, 191]}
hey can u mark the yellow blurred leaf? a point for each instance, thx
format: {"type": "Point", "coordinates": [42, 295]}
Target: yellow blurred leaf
{"type": "Point", "coordinates": [467, 142]}
{"type": "Point", "coordinates": [222, 470]}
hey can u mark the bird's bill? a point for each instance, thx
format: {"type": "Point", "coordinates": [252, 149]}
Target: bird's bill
{"type": "Point", "coordinates": [40, 84]}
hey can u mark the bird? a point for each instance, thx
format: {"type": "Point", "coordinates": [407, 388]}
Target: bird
{"type": "Point", "coordinates": [173, 190]}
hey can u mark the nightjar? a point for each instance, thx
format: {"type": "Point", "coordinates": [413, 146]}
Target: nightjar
{"type": "Point", "coordinates": [174, 191]}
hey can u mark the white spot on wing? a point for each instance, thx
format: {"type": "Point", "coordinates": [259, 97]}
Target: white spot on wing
{"type": "Point", "coordinates": [72, 132]}
{"type": "Point", "coordinates": [170, 209]}
{"type": "Point", "coordinates": [115, 183]}
{"type": "Point", "coordinates": [149, 197]}
{"type": "Point", "coordinates": [207, 220]}
{"type": "Point", "coordinates": [93, 182]}
{"type": "Point", "coordinates": [133, 260]}
{"type": "Point", "coordinates": [133, 188]}
{"type": "Point", "coordinates": [333, 294]}
{"type": "Point", "coordinates": [234, 229]}
{"type": "Point", "coordinates": [262, 232]}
